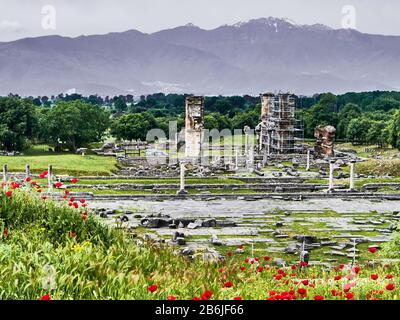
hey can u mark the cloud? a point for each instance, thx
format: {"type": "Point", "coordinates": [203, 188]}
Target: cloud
{"type": "Point", "coordinates": [10, 26]}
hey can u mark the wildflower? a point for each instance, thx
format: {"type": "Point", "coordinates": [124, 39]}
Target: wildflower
{"type": "Point", "coordinates": [228, 284]}
{"type": "Point", "coordinates": [241, 247]}
{"type": "Point", "coordinates": [242, 268]}
{"type": "Point", "coordinates": [74, 180]}
{"type": "Point", "coordinates": [34, 183]}
{"type": "Point", "coordinates": [229, 254]}
{"type": "Point", "coordinates": [5, 233]}
{"type": "Point", "coordinates": [222, 270]}
{"type": "Point", "coordinates": [196, 298]}
{"type": "Point", "coordinates": [319, 298]}
{"type": "Point", "coordinates": [171, 298]}
{"type": "Point", "coordinates": [372, 250]}
{"type": "Point", "coordinates": [66, 191]}
{"type": "Point", "coordinates": [303, 264]}
{"type": "Point", "coordinates": [337, 278]}
{"type": "Point", "coordinates": [334, 293]}
{"type": "Point", "coordinates": [237, 298]}
{"type": "Point", "coordinates": [58, 184]}
{"type": "Point", "coordinates": [266, 258]}
{"type": "Point", "coordinates": [152, 288]}
{"type": "Point", "coordinates": [341, 266]}
{"type": "Point", "coordinates": [350, 296]}
{"type": "Point", "coordinates": [357, 269]}
{"type": "Point", "coordinates": [260, 269]}
{"type": "Point", "coordinates": [72, 199]}
{"type": "Point", "coordinates": [389, 276]}
{"type": "Point", "coordinates": [75, 205]}
{"type": "Point", "coordinates": [305, 282]}
{"type": "Point", "coordinates": [206, 295]}
{"type": "Point", "coordinates": [9, 193]}
{"type": "Point", "coordinates": [246, 260]}
{"type": "Point", "coordinates": [27, 179]}
{"type": "Point", "coordinates": [45, 297]}
{"type": "Point", "coordinates": [82, 201]}
{"type": "Point", "coordinates": [374, 276]}
{"type": "Point", "coordinates": [84, 217]}
{"type": "Point", "coordinates": [294, 267]}
{"type": "Point", "coordinates": [73, 234]}
{"type": "Point", "coordinates": [390, 287]}
{"type": "Point", "coordinates": [302, 292]}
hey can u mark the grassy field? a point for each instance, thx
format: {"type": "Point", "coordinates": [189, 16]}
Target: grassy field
{"type": "Point", "coordinates": [62, 256]}
{"type": "Point", "coordinates": [39, 158]}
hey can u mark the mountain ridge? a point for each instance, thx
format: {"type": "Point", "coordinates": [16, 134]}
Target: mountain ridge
{"type": "Point", "coordinates": [265, 54]}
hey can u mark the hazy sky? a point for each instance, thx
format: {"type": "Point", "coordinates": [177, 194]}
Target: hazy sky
{"type": "Point", "coordinates": [23, 18]}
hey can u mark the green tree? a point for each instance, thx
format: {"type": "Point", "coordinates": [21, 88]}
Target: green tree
{"type": "Point", "coordinates": [348, 112]}
{"type": "Point", "coordinates": [357, 130]}
{"type": "Point", "coordinates": [74, 124]}
{"type": "Point", "coordinates": [394, 130]}
{"type": "Point", "coordinates": [18, 122]}
{"type": "Point", "coordinates": [133, 126]}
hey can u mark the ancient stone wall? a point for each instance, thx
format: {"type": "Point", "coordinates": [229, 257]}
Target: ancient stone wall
{"type": "Point", "coordinates": [194, 127]}
{"type": "Point", "coordinates": [325, 137]}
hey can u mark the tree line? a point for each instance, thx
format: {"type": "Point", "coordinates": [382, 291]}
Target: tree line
{"type": "Point", "coordinates": [73, 121]}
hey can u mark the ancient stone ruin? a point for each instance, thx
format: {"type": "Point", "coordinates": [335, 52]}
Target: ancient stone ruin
{"type": "Point", "coordinates": [276, 134]}
{"type": "Point", "coordinates": [194, 127]}
{"type": "Point", "coordinates": [325, 137]}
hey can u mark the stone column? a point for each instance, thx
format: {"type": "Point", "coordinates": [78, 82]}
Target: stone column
{"type": "Point", "coordinates": [50, 179]}
{"type": "Point", "coordinates": [182, 190]}
{"type": "Point", "coordinates": [5, 173]}
{"type": "Point", "coordinates": [331, 172]}
{"type": "Point", "coordinates": [237, 159]}
{"type": "Point", "coordinates": [308, 160]}
{"type": "Point", "coordinates": [246, 143]}
{"type": "Point", "coordinates": [352, 175]}
{"type": "Point", "coordinates": [27, 170]}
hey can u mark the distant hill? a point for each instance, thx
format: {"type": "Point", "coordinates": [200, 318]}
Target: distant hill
{"type": "Point", "coordinates": [246, 58]}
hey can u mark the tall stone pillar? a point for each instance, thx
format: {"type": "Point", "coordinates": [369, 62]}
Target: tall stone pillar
{"type": "Point", "coordinates": [194, 127]}
{"type": "Point", "coordinates": [308, 160]}
{"type": "Point", "coordinates": [5, 173]}
{"type": "Point", "coordinates": [182, 190]}
{"type": "Point", "coordinates": [27, 170]}
{"type": "Point", "coordinates": [352, 175]}
{"type": "Point", "coordinates": [331, 172]}
{"type": "Point", "coordinates": [50, 179]}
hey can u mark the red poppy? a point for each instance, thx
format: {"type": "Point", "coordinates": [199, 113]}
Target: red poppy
{"type": "Point", "coordinates": [206, 295]}
{"type": "Point", "coordinates": [73, 234]}
{"type": "Point", "coordinates": [228, 284]}
{"type": "Point", "coordinates": [237, 298]}
{"type": "Point", "coordinates": [260, 269]}
{"type": "Point", "coordinates": [390, 287]}
{"type": "Point", "coordinates": [33, 183]}
{"type": "Point", "coordinates": [338, 277]}
{"type": "Point", "coordinates": [256, 259]}
{"type": "Point", "coordinates": [9, 193]}
{"type": "Point", "coordinates": [341, 266]}
{"type": "Point", "coordinates": [241, 247]}
{"type": "Point", "coordinates": [45, 297]}
{"type": "Point", "coordinates": [305, 282]}
{"type": "Point", "coordinates": [72, 199]}
{"type": "Point", "coordinates": [84, 217]}
{"type": "Point", "coordinates": [319, 298]}
{"type": "Point", "coordinates": [229, 254]}
{"type": "Point", "coordinates": [372, 250]}
{"type": "Point", "coordinates": [374, 276]}
{"type": "Point", "coordinates": [350, 296]}
{"type": "Point", "coordinates": [266, 258]}
{"type": "Point", "coordinates": [58, 184]}
{"type": "Point", "coordinates": [152, 288]}
{"type": "Point", "coordinates": [74, 180]}
{"type": "Point", "coordinates": [246, 260]}
{"type": "Point", "coordinates": [82, 201]}
{"type": "Point", "coordinates": [222, 270]}
{"type": "Point", "coordinates": [196, 298]}
{"type": "Point", "coordinates": [65, 196]}
{"type": "Point", "coordinates": [5, 233]}
{"type": "Point", "coordinates": [242, 268]}
{"type": "Point", "coordinates": [334, 293]}
{"type": "Point", "coordinates": [303, 264]}
{"type": "Point", "coordinates": [357, 269]}
{"type": "Point", "coordinates": [302, 292]}
{"type": "Point", "coordinates": [171, 298]}
{"type": "Point", "coordinates": [66, 191]}
{"type": "Point", "coordinates": [27, 179]}
{"type": "Point", "coordinates": [389, 276]}
{"type": "Point", "coordinates": [294, 267]}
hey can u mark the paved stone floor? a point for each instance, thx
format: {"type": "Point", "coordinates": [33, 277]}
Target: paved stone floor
{"type": "Point", "coordinates": [344, 228]}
